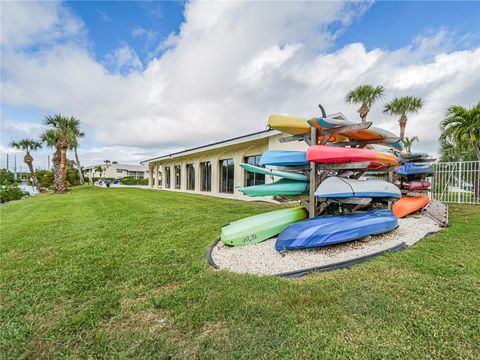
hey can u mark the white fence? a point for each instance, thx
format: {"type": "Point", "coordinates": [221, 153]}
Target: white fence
{"type": "Point", "coordinates": [457, 182]}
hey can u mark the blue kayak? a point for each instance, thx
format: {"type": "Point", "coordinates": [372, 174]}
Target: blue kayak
{"type": "Point", "coordinates": [414, 169]}
{"type": "Point", "coordinates": [334, 229]}
{"type": "Point", "coordinates": [284, 158]}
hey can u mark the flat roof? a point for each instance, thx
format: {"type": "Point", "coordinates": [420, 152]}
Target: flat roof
{"type": "Point", "coordinates": [233, 141]}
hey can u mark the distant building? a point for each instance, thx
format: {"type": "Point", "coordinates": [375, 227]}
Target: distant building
{"type": "Point", "coordinates": [116, 171]}
{"type": "Point", "coordinates": [214, 168]}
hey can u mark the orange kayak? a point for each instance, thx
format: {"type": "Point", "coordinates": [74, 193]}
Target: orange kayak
{"type": "Point", "coordinates": [409, 204]}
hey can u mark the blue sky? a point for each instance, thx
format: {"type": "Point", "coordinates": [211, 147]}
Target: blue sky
{"type": "Point", "coordinates": [107, 63]}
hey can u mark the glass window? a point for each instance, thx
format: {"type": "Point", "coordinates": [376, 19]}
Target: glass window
{"type": "Point", "coordinates": [226, 176]}
{"type": "Point", "coordinates": [206, 176]}
{"type": "Point", "coordinates": [250, 177]}
{"type": "Point", "coordinates": [167, 177]}
{"type": "Point", "coordinates": [190, 177]}
{"type": "Point", "coordinates": [178, 176]}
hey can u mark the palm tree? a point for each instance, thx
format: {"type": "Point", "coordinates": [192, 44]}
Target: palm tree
{"type": "Point", "coordinates": [65, 127]}
{"type": "Point", "coordinates": [50, 138]}
{"type": "Point", "coordinates": [99, 169]}
{"type": "Point", "coordinates": [28, 145]}
{"type": "Point", "coordinates": [462, 127]}
{"type": "Point", "coordinates": [401, 107]}
{"type": "Point", "coordinates": [366, 95]}
{"type": "Point", "coordinates": [408, 142]}
{"type": "Point", "coordinates": [78, 133]}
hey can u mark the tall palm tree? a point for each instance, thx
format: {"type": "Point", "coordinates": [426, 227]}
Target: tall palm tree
{"type": "Point", "coordinates": [99, 169]}
{"type": "Point", "coordinates": [366, 95]}
{"type": "Point", "coordinates": [65, 127]}
{"type": "Point", "coordinates": [50, 138]}
{"type": "Point", "coordinates": [28, 145]}
{"type": "Point", "coordinates": [408, 142]}
{"type": "Point", "coordinates": [78, 133]}
{"type": "Point", "coordinates": [401, 107]}
{"type": "Point", "coordinates": [462, 127]}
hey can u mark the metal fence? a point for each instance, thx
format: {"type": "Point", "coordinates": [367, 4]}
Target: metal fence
{"type": "Point", "coordinates": [457, 182]}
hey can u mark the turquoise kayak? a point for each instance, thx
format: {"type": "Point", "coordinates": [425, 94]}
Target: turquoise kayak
{"type": "Point", "coordinates": [257, 228]}
{"type": "Point", "coordinates": [283, 187]}
{"type": "Point", "coordinates": [278, 173]}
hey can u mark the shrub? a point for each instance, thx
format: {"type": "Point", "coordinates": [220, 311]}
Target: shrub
{"type": "Point", "coordinates": [6, 175]}
{"type": "Point", "coordinates": [10, 192]}
{"type": "Point", "coordinates": [132, 181]}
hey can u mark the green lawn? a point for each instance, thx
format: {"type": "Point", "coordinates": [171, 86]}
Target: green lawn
{"type": "Point", "coordinates": [122, 273]}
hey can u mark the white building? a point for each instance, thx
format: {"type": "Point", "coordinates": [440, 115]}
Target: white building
{"type": "Point", "coordinates": [116, 171]}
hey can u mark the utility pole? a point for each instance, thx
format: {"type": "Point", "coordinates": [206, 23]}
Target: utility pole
{"type": "Point", "coordinates": [7, 161]}
{"type": "Point", "coordinates": [15, 167]}
{"type": "Point", "coordinates": [48, 162]}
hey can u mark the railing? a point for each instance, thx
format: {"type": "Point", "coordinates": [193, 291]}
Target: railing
{"type": "Point", "coordinates": [457, 182]}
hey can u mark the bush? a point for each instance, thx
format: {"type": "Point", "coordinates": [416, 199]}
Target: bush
{"type": "Point", "coordinates": [45, 178]}
{"type": "Point", "coordinates": [6, 175]}
{"type": "Point", "coordinates": [10, 192]}
{"type": "Point", "coordinates": [132, 181]}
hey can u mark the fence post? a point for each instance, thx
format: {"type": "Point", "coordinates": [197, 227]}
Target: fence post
{"type": "Point", "coordinates": [459, 181]}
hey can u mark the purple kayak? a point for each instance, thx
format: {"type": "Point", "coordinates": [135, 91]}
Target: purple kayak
{"type": "Point", "coordinates": [334, 229]}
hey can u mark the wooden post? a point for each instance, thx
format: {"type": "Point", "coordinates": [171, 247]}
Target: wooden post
{"type": "Point", "coordinates": [313, 176]}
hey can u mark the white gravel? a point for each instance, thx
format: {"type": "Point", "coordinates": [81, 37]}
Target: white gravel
{"type": "Point", "coordinates": [263, 259]}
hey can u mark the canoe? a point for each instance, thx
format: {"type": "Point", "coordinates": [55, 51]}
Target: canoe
{"type": "Point", "coordinates": [283, 158]}
{"type": "Point", "coordinates": [282, 187]}
{"type": "Point", "coordinates": [335, 229]}
{"type": "Point", "coordinates": [414, 169]}
{"type": "Point", "coordinates": [416, 185]}
{"type": "Point", "coordinates": [372, 133]}
{"type": "Point", "coordinates": [338, 188]}
{"type": "Point", "coordinates": [257, 228]}
{"type": "Point", "coordinates": [409, 204]}
{"type": "Point", "coordinates": [333, 155]}
{"type": "Point", "coordinates": [278, 173]}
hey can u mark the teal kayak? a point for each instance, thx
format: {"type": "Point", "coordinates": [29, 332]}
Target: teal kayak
{"type": "Point", "coordinates": [257, 228]}
{"type": "Point", "coordinates": [278, 173]}
{"type": "Point", "coordinates": [283, 187]}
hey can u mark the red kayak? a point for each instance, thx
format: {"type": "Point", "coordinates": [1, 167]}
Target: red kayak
{"type": "Point", "coordinates": [409, 204]}
{"type": "Point", "coordinates": [416, 185]}
{"type": "Point", "coordinates": [334, 155]}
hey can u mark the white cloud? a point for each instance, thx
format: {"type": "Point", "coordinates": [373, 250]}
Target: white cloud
{"type": "Point", "coordinates": [103, 16]}
{"type": "Point", "coordinates": [124, 59]}
{"type": "Point", "coordinates": [229, 67]}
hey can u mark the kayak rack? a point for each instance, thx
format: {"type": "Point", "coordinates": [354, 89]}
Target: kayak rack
{"type": "Point", "coordinates": [319, 172]}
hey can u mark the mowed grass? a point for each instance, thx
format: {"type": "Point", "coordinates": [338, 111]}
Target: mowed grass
{"type": "Point", "coordinates": [122, 273]}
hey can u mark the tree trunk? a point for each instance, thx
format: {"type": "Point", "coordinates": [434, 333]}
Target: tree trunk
{"type": "Point", "coordinates": [56, 169]}
{"type": "Point", "coordinates": [29, 161]}
{"type": "Point", "coordinates": [79, 169]}
{"type": "Point", "coordinates": [403, 125]}
{"type": "Point", "coordinates": [62, 181]}
{"type": "Point", "coordinates": [363, 111]}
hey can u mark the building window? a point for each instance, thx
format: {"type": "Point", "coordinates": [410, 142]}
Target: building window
{"type": "Point", "coordinates": [206, 176]}
{"type": "Point", "coordinates": [250, 177]}
{"type": "Point", "coordinates": [190, 177]}
{"type": "Point", "coordinates": [119, 171]}
{"type": "Point", "coordinates": [178, 176]}
{"type": "Point", "coordinates": [226, 176]}
{"type": "Point", "coordinates": [167, 177]}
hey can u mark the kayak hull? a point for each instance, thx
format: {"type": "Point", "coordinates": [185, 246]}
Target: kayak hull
{"type": "Point", "coordinates": [334, 155]}
{"type": "Point", "coordinates": [278, 173]}
{"type": "Point", "coordinates": [338, 188]}
{"type": "Point", "coordinates": [372, 133]}
{"type": "Point", "coordinates": [414, 169]}
{"type": "Point", "coordinates": [409, 204]}
{"type": "Point", "coordinates": [255, 229]}
{"type": "Point", "coordinates": [335, 229]}
{"type": "Point", "coordinates": [283, 187]}
{"type": "Point", "coordinates": [416, 185]}
{"type": "Point", "coordinates": [283, 158]}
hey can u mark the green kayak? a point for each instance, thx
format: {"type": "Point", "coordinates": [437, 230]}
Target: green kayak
{"type": "Point", "coordinates": [255, 229]}
{"type": "Point", "coordinates": [283, 187]}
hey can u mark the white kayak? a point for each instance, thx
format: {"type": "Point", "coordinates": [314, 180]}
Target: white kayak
{"type": "Point", "coordinates": [338, 188]}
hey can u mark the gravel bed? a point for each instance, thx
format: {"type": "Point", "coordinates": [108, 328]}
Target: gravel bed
{"type": "Point", "coordinates": [263, 259]}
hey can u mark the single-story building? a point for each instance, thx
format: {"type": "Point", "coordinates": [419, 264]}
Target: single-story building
{"type": "Point", "coordinates": [116, 171]}
{"type": "Point", "coordinates": [214, 168]}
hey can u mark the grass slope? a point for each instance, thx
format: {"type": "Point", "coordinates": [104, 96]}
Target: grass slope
{"type": "Point", "coordinates": [122, 273]}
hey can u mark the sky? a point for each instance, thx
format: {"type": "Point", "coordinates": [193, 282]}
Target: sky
{"type": "Point", "coordinates": [150, 78]}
